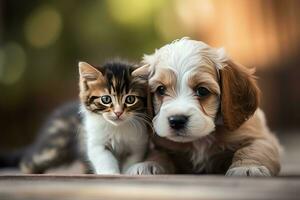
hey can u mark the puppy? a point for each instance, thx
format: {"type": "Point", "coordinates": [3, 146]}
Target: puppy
{"type": "Point", "coordinates": [206, 114]}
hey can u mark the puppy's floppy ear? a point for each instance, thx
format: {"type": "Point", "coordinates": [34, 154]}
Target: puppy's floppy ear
{"type": "Point", "coordinates": [88, 72]}
{"type": "Point", "coordinates": [239, 94]}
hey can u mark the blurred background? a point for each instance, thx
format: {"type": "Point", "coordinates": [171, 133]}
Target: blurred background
{"type": "Point", "coordinates": [41, 42]}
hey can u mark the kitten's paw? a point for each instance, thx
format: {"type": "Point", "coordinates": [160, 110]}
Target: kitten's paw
{"type": "Point", "coordinates": [248, 171]}
{"type": "Point", "coordinates": [146, 168]}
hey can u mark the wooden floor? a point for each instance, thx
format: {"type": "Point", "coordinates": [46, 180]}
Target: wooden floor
{"type": "Point", "coordinates": [90, 187]}
{"type": "Point", "coordinates": [15, 186]}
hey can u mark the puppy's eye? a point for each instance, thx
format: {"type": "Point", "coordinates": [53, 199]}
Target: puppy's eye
{"type": "Point", "coordinates": [106, 99]}
{"type": "Point", "coordinates": [202, 92]}
{"type": "Point", "coordinates": [161, 90]}
{"type": "Point", "coordinates": [130, 99]}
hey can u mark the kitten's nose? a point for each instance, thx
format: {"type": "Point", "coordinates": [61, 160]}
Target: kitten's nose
{"type": "Point", "coordinates": [178, 121]}
{"type": "Point", "coordinates": [118, 113]}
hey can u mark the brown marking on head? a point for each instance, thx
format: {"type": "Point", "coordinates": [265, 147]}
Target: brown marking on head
{"type": "Point", "coordinates": [163, 77]}
{"type": "Point", "coordinates": [206, 76]}
{"type": "Point", "coordinates": [239, 96]}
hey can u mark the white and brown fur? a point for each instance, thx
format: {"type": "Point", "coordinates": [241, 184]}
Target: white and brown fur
{"type": "Point", "coordinates": [241, 144]}
{"type": "Point", "coordinates": [117, 132]}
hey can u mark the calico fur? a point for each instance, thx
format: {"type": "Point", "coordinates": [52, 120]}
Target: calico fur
{"type": "Point", "coordinates": [117, 135]}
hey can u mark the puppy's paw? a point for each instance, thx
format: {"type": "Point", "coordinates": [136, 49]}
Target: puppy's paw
{"type": "Point", "coordinates": [145, 168]}
{"type": "Point", "coordinates": [248, 171]}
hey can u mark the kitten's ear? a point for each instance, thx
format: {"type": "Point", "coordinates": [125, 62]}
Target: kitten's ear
{"type": "Point", "coordinates": [88, 72]}
{"type": "Point", "coordinates": [142, 71]}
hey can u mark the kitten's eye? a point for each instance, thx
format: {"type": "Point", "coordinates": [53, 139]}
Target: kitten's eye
{"type": "Point", "coordinates": [202, 92]}
{"type": "Point", "coordinates": [130, 99]}
{"type": "Point", "coordinates": [106, 99]}
{"type": "Point", "coordinates": [161, 90]}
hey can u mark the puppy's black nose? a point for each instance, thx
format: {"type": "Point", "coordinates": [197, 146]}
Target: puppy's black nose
{"type": "Point", "coordinates": [178, 121]}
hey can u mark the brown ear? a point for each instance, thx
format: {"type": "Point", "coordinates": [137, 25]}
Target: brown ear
{"type": "Point", "coordinates": [88, 72]}
{"type": "Point", "coordinates": [142, 71]}
{"type": "Point", "coordinates": [239, 94]}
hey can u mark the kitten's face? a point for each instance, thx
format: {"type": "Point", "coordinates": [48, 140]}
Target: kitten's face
{"type": "Point", "coordinates": [111, 91]}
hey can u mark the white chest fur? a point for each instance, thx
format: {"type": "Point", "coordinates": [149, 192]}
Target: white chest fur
{"type": "Point", "coordinates": [128, 138]}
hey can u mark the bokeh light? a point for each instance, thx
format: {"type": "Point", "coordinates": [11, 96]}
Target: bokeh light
{"type": "Point", "coordinates": [12, 63]}
{"type": "Point", "coordinates": [168, 25]}
{"type": "Point", "coordinates": [43, 26]}
{"type": "Point", "coordinates": [196, 14]}
{"type": "Point", "coordinates": [247, 29]}
{"type": "Point", "coordinates": [92, 27]}
{"type": "Point", "coordinates": [134, 12]}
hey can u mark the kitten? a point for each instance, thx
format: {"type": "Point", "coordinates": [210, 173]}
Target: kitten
{"type": "Point", "coordinates": [62, 139]}
{"type": "Point", "coordinates": [114, 104]}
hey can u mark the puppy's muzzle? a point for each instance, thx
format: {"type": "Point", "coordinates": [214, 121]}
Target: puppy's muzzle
{"type": "Point", "coordinates": [178, 122]}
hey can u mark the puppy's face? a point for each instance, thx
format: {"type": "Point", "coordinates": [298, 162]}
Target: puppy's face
{"type": "Point", "coordinates": [186, 93]}
{"type": "Point", "coordinates": [185, 102]}
{"type": "Point", "coordinates": [190, 82]}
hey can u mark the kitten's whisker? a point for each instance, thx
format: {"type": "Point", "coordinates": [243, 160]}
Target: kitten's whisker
{"type": "Point", "coordinates": [133, 123]}
{"type": "Point", "coordinates": [144, 116]}
{"type": "Point", "coordinates": [145, 121]}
